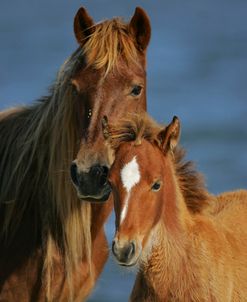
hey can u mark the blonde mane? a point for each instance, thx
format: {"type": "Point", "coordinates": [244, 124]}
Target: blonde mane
{"type": "Point", "coordinates": [38, 144]}
{"type": "Point", "coordinates": [134, 128]}
{"type": "Point", "coordinates": [110, 40]}
{"type": "Point", "coordinates": [37, 176]}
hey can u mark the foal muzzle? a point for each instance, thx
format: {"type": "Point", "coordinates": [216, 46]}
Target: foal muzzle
{"type": "Point", "coordinates": [93, 185]}
{"type": "Point", "coordinates": [125, 253]}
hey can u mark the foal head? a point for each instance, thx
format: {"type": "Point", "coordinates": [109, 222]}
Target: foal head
{"type": "Point", "coordinates": [111, 82]}
{"type": "Point", "coordinates": [142, 180]}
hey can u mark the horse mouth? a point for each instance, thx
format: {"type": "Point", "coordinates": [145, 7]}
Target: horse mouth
{"type": "Point", "coordinates": [102, 196]}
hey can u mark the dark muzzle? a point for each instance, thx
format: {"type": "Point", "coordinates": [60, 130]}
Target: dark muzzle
{"type": "Point", "coordinates": [93, 185]}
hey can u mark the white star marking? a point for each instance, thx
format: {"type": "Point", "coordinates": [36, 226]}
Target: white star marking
{"type": "Point", "coordinates": [130, 176]}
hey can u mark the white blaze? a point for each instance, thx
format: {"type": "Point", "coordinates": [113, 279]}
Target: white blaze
{"type": "Point", "coordinates": [130, 176]}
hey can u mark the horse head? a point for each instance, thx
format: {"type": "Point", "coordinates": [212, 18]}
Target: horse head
{"type": "Point", "coordinates": [111, 81]}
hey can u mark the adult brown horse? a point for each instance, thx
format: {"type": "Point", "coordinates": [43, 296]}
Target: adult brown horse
{"type": "Point", "coordinates": [190, 245]}
{"type": "Point", "coordinates": [53, 245]}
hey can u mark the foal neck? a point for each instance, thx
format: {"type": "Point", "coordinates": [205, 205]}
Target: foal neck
{"type": "Point", "coordinates": [175, 215]}
{"type": "Point", "coordinates": [161, 264]}
{"type": "Point", "coordinates": [166, 256]}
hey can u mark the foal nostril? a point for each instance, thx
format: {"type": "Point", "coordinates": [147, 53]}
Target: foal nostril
{"type": "Point", "coordinates": [130, 251]}
{"type": "Point", "coordinates": [113, 248]}
{"type": "Point", "coordinates": [73, 173]}
{"type": "Point", "coordinates": [125, 253]}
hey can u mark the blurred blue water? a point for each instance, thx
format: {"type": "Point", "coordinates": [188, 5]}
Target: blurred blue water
{"type": "Point", "coordinates": [197, 70]}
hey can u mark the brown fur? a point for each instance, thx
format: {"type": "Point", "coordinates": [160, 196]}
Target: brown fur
{"type": "Point", "coordinates": [141, 127]}
{"type": "Point", "coordinates": [187, 251]}
{"type": "Point", "coordinates": [53, 246]}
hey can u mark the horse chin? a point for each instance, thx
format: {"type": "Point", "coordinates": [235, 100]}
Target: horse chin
{"type": "Point", "coordinates": [99, 198]}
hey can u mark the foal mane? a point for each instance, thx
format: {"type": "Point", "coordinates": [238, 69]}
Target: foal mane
{"type": "Point", "coordinates": [134, 128]}
{"type": "Point", "coordinates": [110, 40]}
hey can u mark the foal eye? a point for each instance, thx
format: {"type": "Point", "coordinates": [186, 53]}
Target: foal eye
{"type": "Point", "coordinates": [136, 90]}
{"type": "Point", "coordinates": [156, 186]}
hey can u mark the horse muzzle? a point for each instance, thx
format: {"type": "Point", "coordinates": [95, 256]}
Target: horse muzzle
{"type": "Point", "coordinates": [93, 185]}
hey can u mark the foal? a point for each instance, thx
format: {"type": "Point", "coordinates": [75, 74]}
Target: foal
{"type": "Point", "coordinates": [189, 245]}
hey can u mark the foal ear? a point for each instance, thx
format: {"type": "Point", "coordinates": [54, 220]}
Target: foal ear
{"type": "Point", "coordinates": [140, 28]}
{"type": "Point", "coordinates": [169, 136]}
{"type": "Point", "coordinates": [83, 25]}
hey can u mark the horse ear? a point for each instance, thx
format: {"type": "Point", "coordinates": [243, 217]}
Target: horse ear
{"type": "Point", "coordinates": [140, 28]}
{"type": "Point", "coordinates": [83, 25]}
{"type": "Point", "coordinates": [169, 136]}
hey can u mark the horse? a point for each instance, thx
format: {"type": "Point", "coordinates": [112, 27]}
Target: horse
{"type": "Point", "coordinates": [187, 244]}
{"type": "Point", "coordinates": [52, 239]}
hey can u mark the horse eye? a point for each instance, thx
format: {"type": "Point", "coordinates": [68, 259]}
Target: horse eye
{"type": "Point", "coordinates": [156, 186]}
{"type": "Point", "coordinates": [136, 90]}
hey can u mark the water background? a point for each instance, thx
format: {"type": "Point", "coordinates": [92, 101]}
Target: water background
{"type": "Point", "coordinates": [197, 70]}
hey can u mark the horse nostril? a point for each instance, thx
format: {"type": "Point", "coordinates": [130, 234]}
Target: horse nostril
{"type": "Point", "coordinates": [104, 175]}
{"type": "Point", "coordinates": [73, 173]}
{"type": "Point", "coordinates": [96, 170]}
{"type": "Point", "coordinates": [101, 173]}
{"type": "Point", "coordinates": [105, 170]}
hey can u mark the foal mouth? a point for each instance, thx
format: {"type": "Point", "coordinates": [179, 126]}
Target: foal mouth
{"type": "Point", "coordinates": [130, 263]}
